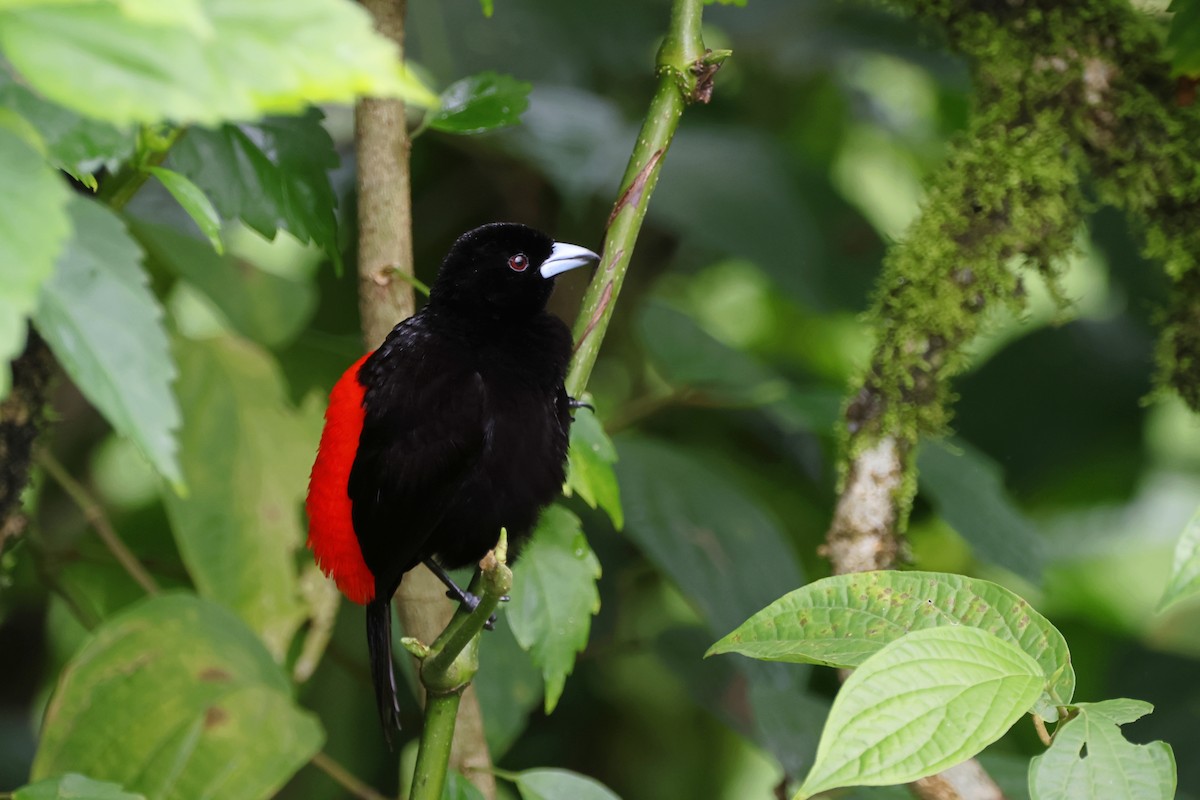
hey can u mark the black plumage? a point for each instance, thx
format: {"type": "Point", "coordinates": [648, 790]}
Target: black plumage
{"type": "Point", "coordinates": [465, 419]}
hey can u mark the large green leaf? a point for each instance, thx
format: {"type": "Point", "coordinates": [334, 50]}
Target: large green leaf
{"type": "Point", "coordinates": [560, 784]}
{"type": "Point", "coordinates": [1185, 570]}
{"type": "Point", "coordinates": [922, 704]}
{"type": "Point", "coordinates": [105, 327]}
{"type": "Point", "coordinates": [246, 454]}
{"type": "Point", "coordinates": [727, 555]}
{"type": "Point", "coordinates": [75, 144]}
{"type": "Point", "coordinates": [175, 698]}
{"type": "Point", "coordinates": [202, 62]}
{"type": "Point", "coordinates": [554, 597]}
{"type": "Point", "coordinates": [268, 308]}
{"type": "Point", "coordinates": [509, 687]}
{"type": "Point", "coordinates": [843, 620]}
{"type": "Point", "coordinates": [697, 364]}
{"type": "Point", "coordinates": [1090, 759]}
{"type": "Point", "coordinates": [968, 492]}
{"type": "Point", "coordinates": [481, 103]}
{"type": "Point", "coordinates": [33, 229]}
{"type": "Point", "coordinates": [73, 786]}
{"type": "Point", "coordinates": [590, 466]}
{"type": "Point", "coordinates": [272, 174]}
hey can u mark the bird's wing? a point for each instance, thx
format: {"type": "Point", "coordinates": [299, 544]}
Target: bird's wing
{"type": "Point", "coordinates": [423, 432]}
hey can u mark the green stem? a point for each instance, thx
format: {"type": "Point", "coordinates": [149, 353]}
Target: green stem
{"type": "Point", "coordinates": [448, 667]}
{"type": "Point", "coordinates": [119, 189]}
{"type": "Point", "coordinates": [433, 757]}
{"type": "Point", "coordinates": [684, 68]}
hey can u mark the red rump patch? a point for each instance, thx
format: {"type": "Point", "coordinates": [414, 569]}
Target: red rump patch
{"type": "Point", "coordinates": [330, 527]}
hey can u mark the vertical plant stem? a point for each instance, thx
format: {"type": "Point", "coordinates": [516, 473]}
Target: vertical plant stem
{"type": "Point", "coordinates": [685, 69]}
{"type": "Point", "coordinates": [433, 759]}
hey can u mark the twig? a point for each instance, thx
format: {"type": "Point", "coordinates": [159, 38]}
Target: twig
{"type": "Point", "coordinates": [685, 68]}
{"type": "Point", "coordinates": [95, 516]}
{"type": "Point", "coordinates": [344, 778]}
{"type": "Point", "coordinates": [447, 669]}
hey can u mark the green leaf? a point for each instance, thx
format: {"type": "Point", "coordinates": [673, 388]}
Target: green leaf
{"type": "Point", "coordinates": [727, 555]}
{"type": "Point", "coordinates": [246, 454]}
{"type": "Point", "coordinates": [481, 103]}
{"type": "Point", "coordinates": [73, 786]}
{"type": "Point", "coordinates": [459, 788]}
{"type": "Point", "coordinates": [176, 698]}
{"type": "Point", "coordinates": [75, 144]}
{"type": "Point", "coordinates": [1183, 40]}
{"type": "Point", "coordinates": [202, 62]}
{"type": "Point", "coordinates": [488, 7]}
{"type": "Point", "coordinates": [34, 226]}
{"type": "Point", "coordinates": [1185, 571]}
{"type": "Point", "coordinates": [560, 784]}
{"type": "Point", "coordinates": [105, 327]}
{"type": "Point", "coordinates": [922, 704]}
{"type": "Point", "coordinates": [271, 175]}
{"type": "Point", "coordinates": [967, 489]}
{"type": "Point", "coordinates": [590, 466]}
{"type": "Point", "coordinates": [1090, 759]}
{"type": "Point", "coordinates": [843, 620]}
{"type": "Point", "coordinates": [695, 362]}
{"type": "Point", "coordinates": [509, 689]}
{"type": "Point", "coordinates": [193, 200]}
{"type": "Point", "coordinates": [271, 309]}
{"type": "Point", "coordinates": [554, 597]}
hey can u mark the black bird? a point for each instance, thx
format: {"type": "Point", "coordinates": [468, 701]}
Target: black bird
{"type": "Point", "coordinates": [455, 427]}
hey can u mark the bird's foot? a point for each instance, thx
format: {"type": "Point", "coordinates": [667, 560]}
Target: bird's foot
{"type": "Point", "coordinates": [574, 403]}
{"type": "Point", "coordinates": [456, 592]}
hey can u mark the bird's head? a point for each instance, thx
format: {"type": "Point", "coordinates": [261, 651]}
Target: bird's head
{"type": "Point", "coordinates": [504, 270]}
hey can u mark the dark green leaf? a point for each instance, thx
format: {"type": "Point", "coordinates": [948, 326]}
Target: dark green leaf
{"type": "Point", "coordinates": [459, 788]}
{"type": "Point", "coordinates": [105, 327]}
{"type": "Point", "coordinates": [693, 361]}
{"type": "Point", "coordinates": [246, 454]}
{"type": "Point", "coordinates": [1091, 760]}
{"type": "Point", "coordinates": [554, 597]}
{"type": "Point", "coordinates": [727, 555]}
{"type": "Point", "coordinates": [194, 202]}
{"type": "Point", "coordinates": [968, 492]}
{"type": "Point", "coordinates": [34, 227]}
{"type": "Point", "coordinates": [176, 698]}
{"type": "Point", "coordinates": [590, 466]}
{"type": "Point", "coordinates": [202, 62]}
{"type": "Point", "coordinates": [77, 145]}
{"type": "Point", "coordinates": [508, 688]}
{"type": "Point", "coordinates": [273, 174]}
{"type": "Point", "coordinates": [270, 309]}
{"type": "Point", "coordinates": [73, 786]}
{"type": "Point", "coordinates": [481, 103]}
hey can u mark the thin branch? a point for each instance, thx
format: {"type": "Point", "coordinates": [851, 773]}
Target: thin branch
{"type": "Point", "coordinates": [344, 778]}
{"type": "Point", "coordinates": [93, 512]}
{"type": "Point", "coordinates": [685, 69]}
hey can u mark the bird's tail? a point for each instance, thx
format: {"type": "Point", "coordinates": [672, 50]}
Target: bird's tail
{"type": "Point", "coordinates": [379, 645]}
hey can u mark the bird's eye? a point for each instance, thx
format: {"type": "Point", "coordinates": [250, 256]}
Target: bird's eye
{"type": "Point", "coordinates": [518, 263]}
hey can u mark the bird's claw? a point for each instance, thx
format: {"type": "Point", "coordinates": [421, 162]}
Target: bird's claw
{"type": "Point", "coordinates": [471, 601]}
{"type": "Point", "coordinates": [574, 403]}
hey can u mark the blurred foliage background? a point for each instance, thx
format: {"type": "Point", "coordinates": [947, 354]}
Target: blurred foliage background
{"type": "Point", "coordinates": [1068, 478]}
